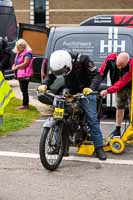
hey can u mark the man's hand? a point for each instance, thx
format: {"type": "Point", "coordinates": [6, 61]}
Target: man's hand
{"type": "Point", "coordinates": [104, 93]}
{"type": "Point", "coordinates": [87, 91]}
{"type": "Point", "coordinates": [42, 88]}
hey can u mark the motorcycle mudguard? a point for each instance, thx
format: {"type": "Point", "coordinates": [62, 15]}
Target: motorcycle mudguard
{"type": "Point", "coordinates": [49, 122]}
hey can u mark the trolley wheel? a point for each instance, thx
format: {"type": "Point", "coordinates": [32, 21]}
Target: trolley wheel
{"type": "Point", "coordinates": [117, 145]}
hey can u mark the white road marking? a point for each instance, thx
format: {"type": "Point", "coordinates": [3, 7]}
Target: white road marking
{"type": "Point", "coordinates": [40, 120]}
{"type": "Point", "coordinates": [70, 158]}
{"type": "Point", "coordinates": [109, 122]}
{"type": "Point", "coordinates": [19, 155]}
{"type": "Point", "coordinates": [102, 122]}
{"type": "Point", "coordinates": [95, 160]}
{"type": "Point", "coordinates": [32, 89]}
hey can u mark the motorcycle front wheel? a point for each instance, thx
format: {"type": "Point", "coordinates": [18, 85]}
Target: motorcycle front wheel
{"type": "Point", "coordinates": [52, 146]}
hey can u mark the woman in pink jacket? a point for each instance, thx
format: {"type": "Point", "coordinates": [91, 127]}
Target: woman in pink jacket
{"type": "Point", "coordinates": [23, 69]}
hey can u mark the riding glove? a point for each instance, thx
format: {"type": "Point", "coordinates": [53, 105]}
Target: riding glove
{"type": "Point", "coordinates": [42, 88]}
{"type": "Point", "coordinates": [87, 91]}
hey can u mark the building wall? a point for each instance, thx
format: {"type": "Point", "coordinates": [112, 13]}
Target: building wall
{"type": "Point", "coordinates": [74, 11]}
{"type": "Point", "coordinates": [24, 11]}
{"type": "Point", "coordinates": [71, 12]}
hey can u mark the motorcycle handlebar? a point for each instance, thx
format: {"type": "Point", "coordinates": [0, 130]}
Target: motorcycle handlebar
{"type": "Point", "coordinates": [81, 94]}
{"type": "Point", "coordinates": [78, 95]}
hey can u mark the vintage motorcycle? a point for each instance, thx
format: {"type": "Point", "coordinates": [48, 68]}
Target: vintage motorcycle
{"type": "Point", "coordinates": [65, 127]}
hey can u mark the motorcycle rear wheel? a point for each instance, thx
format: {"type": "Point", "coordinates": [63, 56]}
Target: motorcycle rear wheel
{"type": "Point", "coordinates": [49, 142]}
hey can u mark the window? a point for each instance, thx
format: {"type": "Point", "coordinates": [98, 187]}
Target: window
{"type": "Point", "coordinates": [39, 12]}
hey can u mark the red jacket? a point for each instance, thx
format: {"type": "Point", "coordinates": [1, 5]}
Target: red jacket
{"type": "Point", "coordinates": [119, 78]}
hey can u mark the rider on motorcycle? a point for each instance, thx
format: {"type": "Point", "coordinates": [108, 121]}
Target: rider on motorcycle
{"type": "Point", "coordinates": [80, 75]}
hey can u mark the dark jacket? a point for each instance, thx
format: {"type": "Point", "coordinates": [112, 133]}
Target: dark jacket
{"type": "Point", "coordinates": [84, 74]}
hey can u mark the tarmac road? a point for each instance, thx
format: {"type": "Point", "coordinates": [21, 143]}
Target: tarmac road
{"type": "Point", "coordinates": [22, 176]}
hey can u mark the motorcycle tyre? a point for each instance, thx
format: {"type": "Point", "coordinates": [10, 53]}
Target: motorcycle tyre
{"type": "Point", "coordinates": [43, 156]}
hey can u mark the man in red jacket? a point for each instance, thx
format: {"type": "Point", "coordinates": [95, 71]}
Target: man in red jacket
{"type": "Point", "coordinates": [120, 68]}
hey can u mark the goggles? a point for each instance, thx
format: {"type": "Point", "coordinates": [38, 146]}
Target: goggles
{"type": "Point", "coordinates": [64, 71]}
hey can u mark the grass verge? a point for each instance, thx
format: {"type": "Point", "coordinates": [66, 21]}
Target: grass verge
{"type": "Point", "coordinates": [14, 120]}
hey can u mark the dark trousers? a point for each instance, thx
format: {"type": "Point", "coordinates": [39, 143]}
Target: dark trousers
{"type": "Point", "coordinates": [24, 83]}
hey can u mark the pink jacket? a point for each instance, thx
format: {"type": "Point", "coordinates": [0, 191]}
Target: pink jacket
{"type": "Point", "coordinates": [26, 71]}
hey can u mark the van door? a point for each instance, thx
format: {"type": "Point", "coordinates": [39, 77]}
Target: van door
{"type": "Point", "coordinates": [37, 38]}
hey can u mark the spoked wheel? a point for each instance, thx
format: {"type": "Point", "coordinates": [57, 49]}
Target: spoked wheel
{"type": "Point", "coordinates": [52, 146]}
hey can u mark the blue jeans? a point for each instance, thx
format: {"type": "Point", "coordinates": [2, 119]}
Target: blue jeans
{"type": "Point", "coordinates": [89, 105]}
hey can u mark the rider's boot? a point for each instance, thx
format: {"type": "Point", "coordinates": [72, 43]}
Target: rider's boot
{"type": "Point", "coordinates": [116, 132]}
{"type": "Point", "coordinates": [100, 153]}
